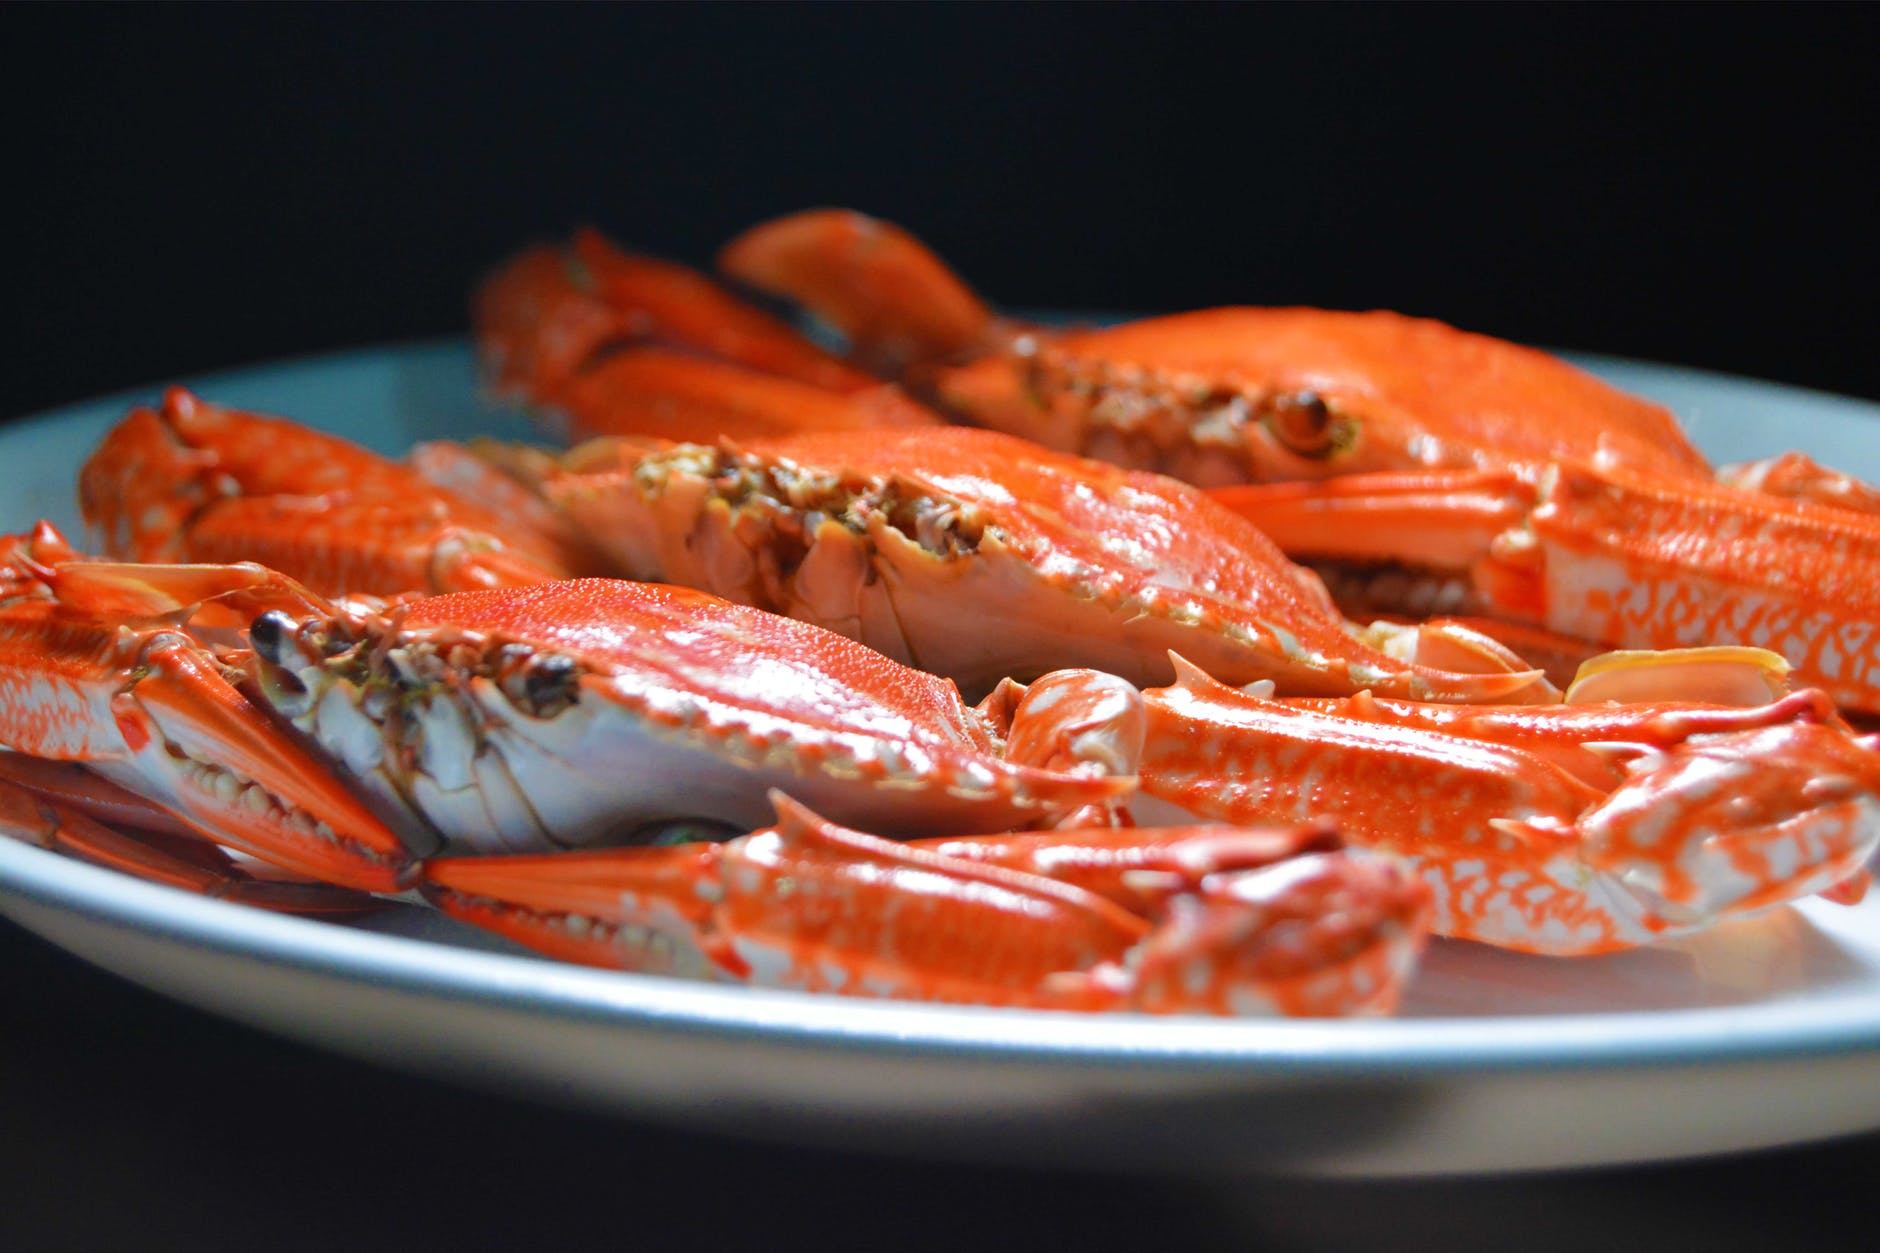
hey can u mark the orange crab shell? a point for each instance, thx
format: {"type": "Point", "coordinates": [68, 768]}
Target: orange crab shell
{"type": "Point", "coordinates": [1256, 394]}
{"type": "Point", "coordinates": [980, 556]}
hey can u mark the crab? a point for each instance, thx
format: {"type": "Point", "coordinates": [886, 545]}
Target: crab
{"type": "Point", "coordinates": [979, 556]}
{"type": "Point", "coordinates": [1233, 395]}
{"type": "Point", "coordinates": [493, 714]}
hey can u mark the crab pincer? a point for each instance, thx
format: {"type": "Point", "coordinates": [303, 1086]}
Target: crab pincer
{"type": "Point", "coordinates": [97, 666]}
{"type": "Point", "coordinates": [1675, 816]}
{"type": "Point", "coordinates": [63, 807]}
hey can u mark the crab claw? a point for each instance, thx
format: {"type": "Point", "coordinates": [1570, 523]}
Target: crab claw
{"type": "Point", "coordinates": [1735, 822]}
{"type": "Point", "coordinates": [894, 301]}
{"type": "Point", "coordinates": [1321, 935]}
{"type": "Point", "coordinates": [161, 849]}
{"type": "Point", "coordinates": [149, 709]}
{"type": "Point", "coordinates": [201, 749]}
{"type": "Point", "coordinates": [1242, 925]}
{"type": "Point", "coordinates": [1797, 476]}
{"type": "Point", "coordinates": [1086, 721]}
{"type": "Point", "coordinates": [1563, 830]}
{"type": "Point", "coordinates": [657, 393]}
{"type": "Point", "coordinates": [673, 304]}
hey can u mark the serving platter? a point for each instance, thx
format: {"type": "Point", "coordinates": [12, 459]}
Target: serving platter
{"type": "Point", "coordinates": [1763, 1032]}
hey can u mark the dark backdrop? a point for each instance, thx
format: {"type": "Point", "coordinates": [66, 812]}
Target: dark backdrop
{"type": "Point", "coordinates": [191, 188]}
{"type": "Point", "coordinates": [205, 187]}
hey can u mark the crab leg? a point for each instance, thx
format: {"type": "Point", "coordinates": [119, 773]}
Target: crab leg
{"type": "Point", "coordinates": [1633, 563]}
{"type": "Point", "coordinates": [1239, 922]}
{"type": "Point", "coordinates": [1561, 733]}
{"type": "Point", "coordinates": [1747, 809]}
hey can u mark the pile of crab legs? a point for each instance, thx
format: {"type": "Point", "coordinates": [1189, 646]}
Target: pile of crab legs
{"type": "Point", "coordinates": [337, 667]}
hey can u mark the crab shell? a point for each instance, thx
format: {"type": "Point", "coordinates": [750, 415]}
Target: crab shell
{"type": "Point", "coordinates": [980, 556]}
{"type": "Point", "coordinates": [1245, 394]}
{"type": "Point", "coordinates": [600, 711]}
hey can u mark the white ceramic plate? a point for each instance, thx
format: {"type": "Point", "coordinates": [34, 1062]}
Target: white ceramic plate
{"type": "Point", "coordinates": [1766, 1032]}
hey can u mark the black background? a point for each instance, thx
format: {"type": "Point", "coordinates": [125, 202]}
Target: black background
{"type": "Point", "coordinates": [197, 188]}
{"type": "Point", "coordinates": [192, 188]}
